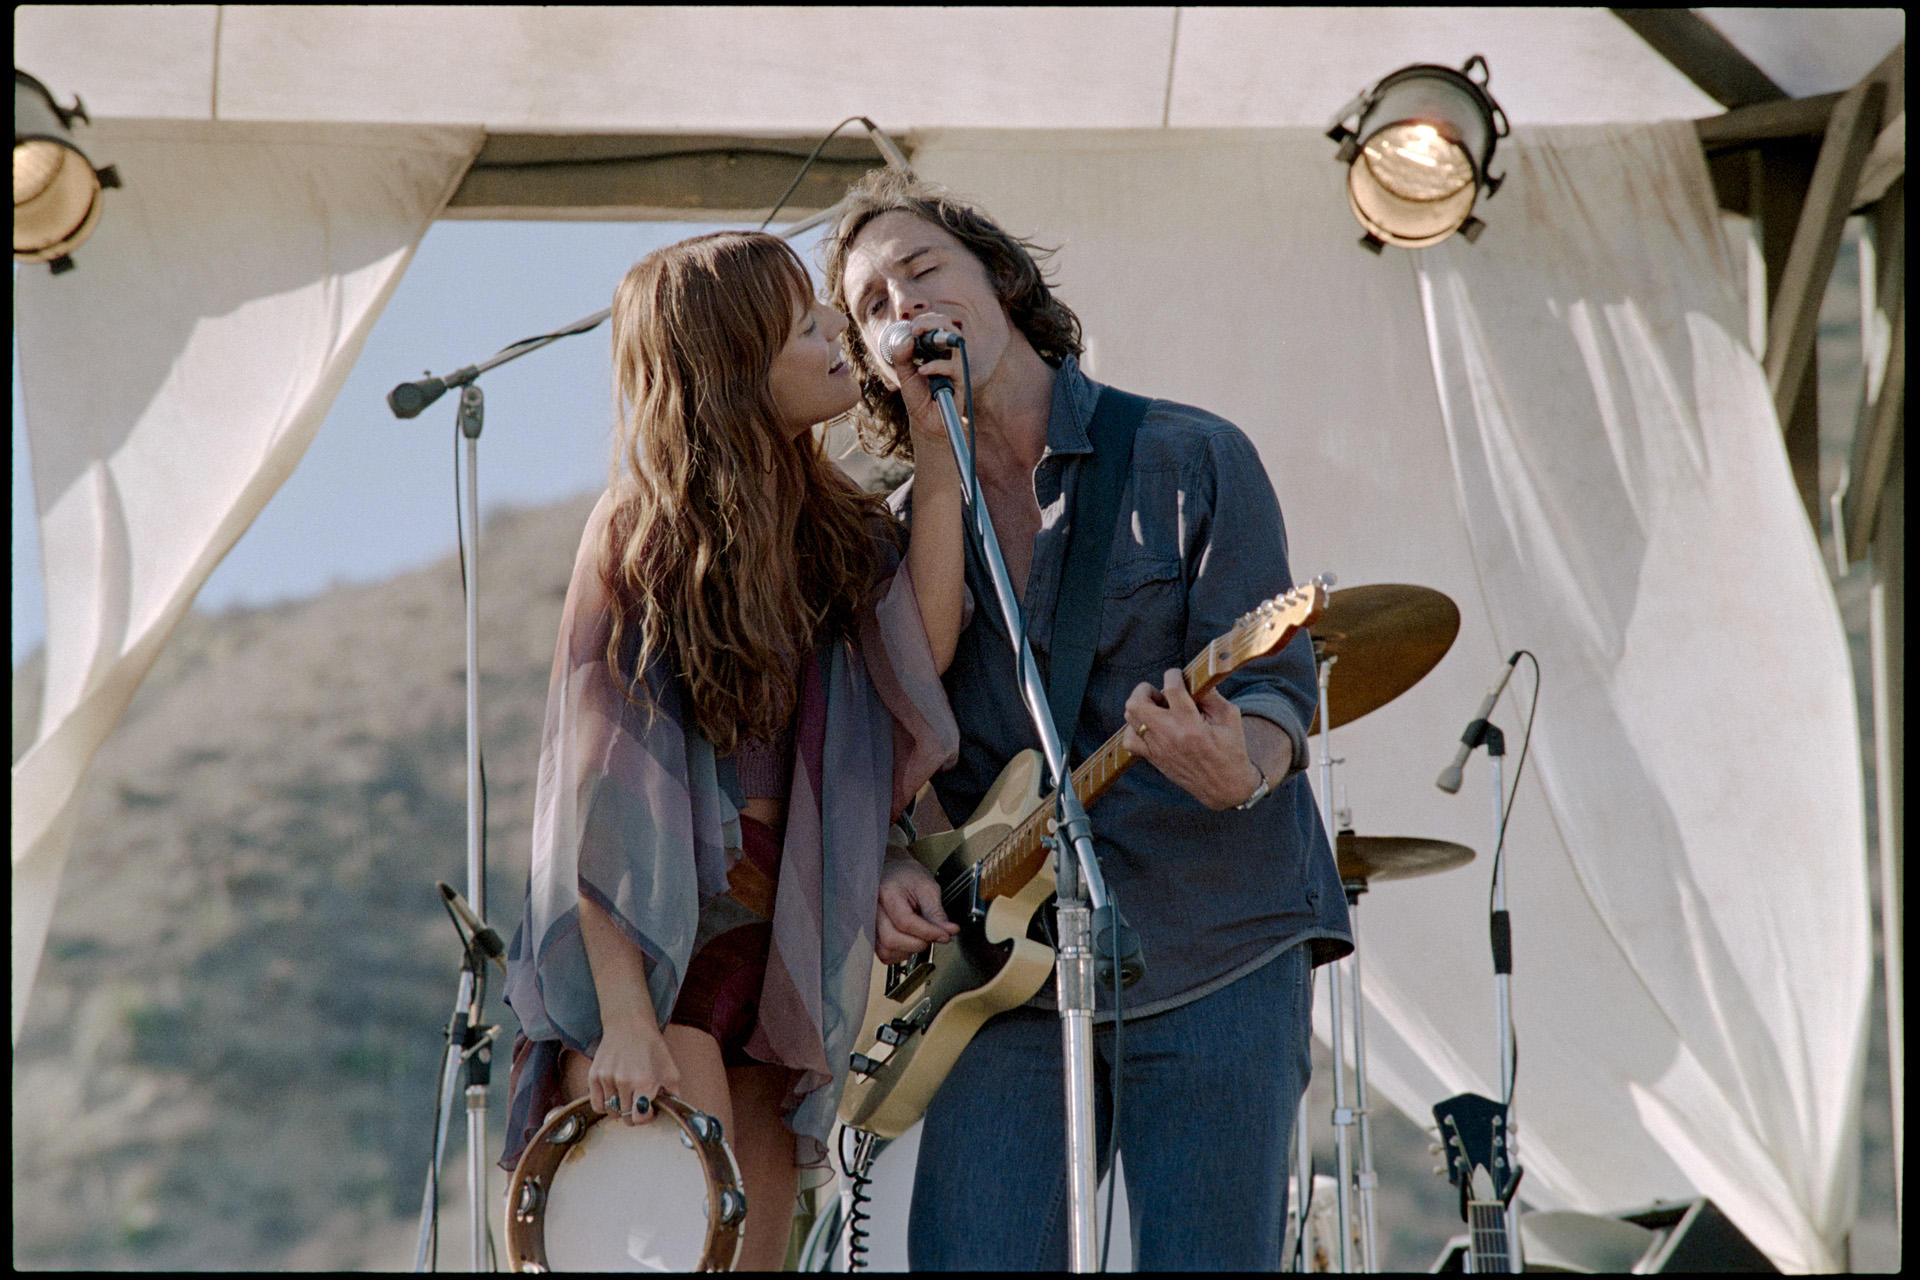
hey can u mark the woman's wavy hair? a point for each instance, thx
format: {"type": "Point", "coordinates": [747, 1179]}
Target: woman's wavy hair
{"type": "Point", "coordinates": [705, 571]}
{"type": "Point", "coordinates": [1013, 264]}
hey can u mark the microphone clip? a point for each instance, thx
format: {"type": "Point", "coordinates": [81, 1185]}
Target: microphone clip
{"type": "Point", "coordinates": [1485, 733]}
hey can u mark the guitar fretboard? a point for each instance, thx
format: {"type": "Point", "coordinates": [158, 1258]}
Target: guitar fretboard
{"type": "Point", "coordinates": [1015, 860]}
{"type": "Point", "coordinates": [1487, 1242]}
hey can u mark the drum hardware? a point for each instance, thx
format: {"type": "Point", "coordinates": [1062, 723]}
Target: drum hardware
{"type": "Point", "coordinates": [1371, 644]}
{"type": "Point", "coordinates": [594, 1196]}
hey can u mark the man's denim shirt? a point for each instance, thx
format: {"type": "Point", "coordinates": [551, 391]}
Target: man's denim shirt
{"type": "Point", "coordinates": [1198, 543]}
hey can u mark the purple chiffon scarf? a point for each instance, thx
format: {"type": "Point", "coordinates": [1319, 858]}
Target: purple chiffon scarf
{"type": "Point", "coordinates": [633, 809]}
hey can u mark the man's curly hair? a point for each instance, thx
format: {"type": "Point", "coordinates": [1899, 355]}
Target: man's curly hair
{"type": "Point", "coordinates": [1012, 264]}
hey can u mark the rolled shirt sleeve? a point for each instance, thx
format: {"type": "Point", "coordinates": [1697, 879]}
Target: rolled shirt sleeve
{"type": "Point", "coordinates": [1237, 560]}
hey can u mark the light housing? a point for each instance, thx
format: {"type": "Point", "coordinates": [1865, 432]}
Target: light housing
{"type": "Point", "coordinates": [1417, 147]}
{"type": "Point", "coordinates": [56, 189]}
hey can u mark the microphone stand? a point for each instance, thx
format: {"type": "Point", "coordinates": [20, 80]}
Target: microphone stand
{"type": "Point", "coordinates": [1077, 878]}
{"type": "Point", "coordinates": [474, 1043]}
{"type": "Point", "coordinates": [1483, 732]}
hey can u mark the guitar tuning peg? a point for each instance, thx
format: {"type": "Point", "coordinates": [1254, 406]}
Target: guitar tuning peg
{"type": "Point", "coordinates": [1434, 1148]}
{"type": "Point", "coordinates": [1439, 1171]}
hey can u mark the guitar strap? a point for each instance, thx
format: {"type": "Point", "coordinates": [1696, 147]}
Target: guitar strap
{"type": "Point", "coordinates": [1096, 505]}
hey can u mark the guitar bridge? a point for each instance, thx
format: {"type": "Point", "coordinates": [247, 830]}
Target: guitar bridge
{"type": "Point", "coordinates": [904, 977]}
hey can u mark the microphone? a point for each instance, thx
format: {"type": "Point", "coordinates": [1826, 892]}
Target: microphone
{"type": "Point", "coordinates": [409, 398]}
{"type": "Point", "coordinates": [895, 338]}
{"type": "Point", "coordinates": [1449, 779]}
{"type": "Point", "coordinates": [483, 935]}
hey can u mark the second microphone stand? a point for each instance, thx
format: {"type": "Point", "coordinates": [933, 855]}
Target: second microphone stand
{"type": "Point", "coordinates": [470, 1045]}
{"type": "Point", "coordinates": [1078, 886]}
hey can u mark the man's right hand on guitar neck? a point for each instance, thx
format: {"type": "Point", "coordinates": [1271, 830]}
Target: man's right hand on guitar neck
{"type": "Point", "coordinates": [909, 918]}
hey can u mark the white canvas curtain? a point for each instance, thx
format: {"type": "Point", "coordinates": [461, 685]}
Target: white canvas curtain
{"type": "Point", "coordinates": [1630, 511]}
{"type": "Point", "coordinates": [1560, 428]}
{"type": "Point", "coordinates": [171, 383]}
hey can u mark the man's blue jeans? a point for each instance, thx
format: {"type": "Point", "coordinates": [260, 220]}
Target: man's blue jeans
{"type": "Point", "coordinates": [1209, 1092]}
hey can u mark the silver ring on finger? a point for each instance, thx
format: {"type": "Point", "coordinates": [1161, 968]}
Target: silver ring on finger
{"type": "Point", "coordinates": [613, 1102]}
{"type": "Point", "coordinates": [642, 1106]}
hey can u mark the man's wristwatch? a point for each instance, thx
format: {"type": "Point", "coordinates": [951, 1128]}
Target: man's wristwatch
{"type": "Point", "coordinates": [1259, 792]}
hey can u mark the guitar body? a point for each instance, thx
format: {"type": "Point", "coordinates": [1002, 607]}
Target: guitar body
{"type": "Point", "coordinates": [940, 998]}
{"type": "Point", "coordinates": [994, 875]}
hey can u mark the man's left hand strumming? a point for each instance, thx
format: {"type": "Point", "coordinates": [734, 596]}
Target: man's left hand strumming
{"type": "Point", "coordinates": [1205, 747]}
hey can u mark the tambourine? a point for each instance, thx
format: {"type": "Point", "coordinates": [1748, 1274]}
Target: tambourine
{"type": "Point", "coordinates": [594, 1196]}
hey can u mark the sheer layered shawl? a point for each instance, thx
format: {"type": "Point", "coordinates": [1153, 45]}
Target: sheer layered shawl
{"type": "Point", "coordinates": [634, 810]}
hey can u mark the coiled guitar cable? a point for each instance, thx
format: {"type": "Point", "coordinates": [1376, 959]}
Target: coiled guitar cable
{"type": "Point", "coordinates": [857, 1214]}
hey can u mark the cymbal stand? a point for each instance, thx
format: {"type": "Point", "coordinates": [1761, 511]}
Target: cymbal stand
{"type": "Point", "coordinates": [1347, 973]}
{"type": "Point", "coordinates": [1365, 1179]}
{"type": "Point", "coordinates": [1343, 1115]}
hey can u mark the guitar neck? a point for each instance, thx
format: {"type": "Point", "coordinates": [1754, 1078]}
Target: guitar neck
{"type": "Point", "coordinates": [1487, 1236]}
{"type": "Point", "coordinates": [1018, 857]}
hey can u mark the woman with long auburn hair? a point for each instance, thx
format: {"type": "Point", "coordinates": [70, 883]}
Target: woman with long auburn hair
{"type": "Point", "coordinates": [745, 693]}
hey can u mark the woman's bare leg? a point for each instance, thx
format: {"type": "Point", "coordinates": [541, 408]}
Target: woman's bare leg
{"type": "Point", "coordinates": [763, 1146]}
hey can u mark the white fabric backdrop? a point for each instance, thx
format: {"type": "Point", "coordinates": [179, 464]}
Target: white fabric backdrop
{"type": "Point", "coordinates": [1686, 856]}
{"type": "Point", "coordinates": [1629, 512]}
{"type": "Point", "coordinates": [1687, 874]}
{"type": "Point", "coordinates": [172, 382]}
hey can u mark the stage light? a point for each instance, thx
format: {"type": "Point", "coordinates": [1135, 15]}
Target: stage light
{"type": "Point", "coordinates": [56, 189]}
{"type": "Point", "coordinates": [1417, 146]}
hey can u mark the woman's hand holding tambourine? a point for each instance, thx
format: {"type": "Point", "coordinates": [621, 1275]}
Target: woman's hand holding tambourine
{"type": "Point", "coordinates": [630, 1068]}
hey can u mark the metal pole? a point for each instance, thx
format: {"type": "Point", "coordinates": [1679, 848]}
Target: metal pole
{"type": "Point", "coordinates": [1342, 1114]}
{"type": "Point", "coordinates": [1073, 979]}
{"type": "Point", "coordinates": [1077, 881]}
{"type": "Point", "coordinates": [1502, 997]}
{"type": "Point", "coordinates": [1368, 1260]}
{"type": "Point", "coordinates": [472, 411]}
{"type": "Point", "coordinates": [428, 1207]}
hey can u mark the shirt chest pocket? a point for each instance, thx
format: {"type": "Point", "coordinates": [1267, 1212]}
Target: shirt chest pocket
{"type": "Point", "coordinates": [1143, 617]}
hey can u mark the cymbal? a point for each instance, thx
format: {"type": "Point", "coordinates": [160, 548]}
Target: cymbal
{"type": "Point", "coordinates": [1367, 858]}
{"type": "Point", "coordinates": [1386, 636]}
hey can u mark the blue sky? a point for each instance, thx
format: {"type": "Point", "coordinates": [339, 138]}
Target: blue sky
{"type": "Point", "coordinates": [374, 495]}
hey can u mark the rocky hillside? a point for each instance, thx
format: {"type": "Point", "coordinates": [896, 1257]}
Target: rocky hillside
{"type": "Point", "coordinates": [229, 1058]}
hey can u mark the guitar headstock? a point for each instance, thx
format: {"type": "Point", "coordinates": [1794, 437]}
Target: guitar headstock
{"type": "Point", "coordinates": [1473, 1132]}
{"type": "Point", "coordinates": [1269, 626]}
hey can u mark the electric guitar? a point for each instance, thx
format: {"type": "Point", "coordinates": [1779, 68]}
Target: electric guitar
{"type": "Point", "coordinates": [994, 875]}
{"type": "Point", "coordinates": [1481, 1168]}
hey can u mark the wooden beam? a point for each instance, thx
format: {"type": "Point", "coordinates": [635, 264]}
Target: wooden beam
{"type": "Point", "coordinates": [1883, 416]}
{"type": "Point", "coordinates": [1779, 175]}
{"type": "Point", "coordinates": [1873, 447]}
{"type": "Point", "coordinates": [1702, 55]}
{"type": "Point", "coordinates": [653, 175]}
{"type": "Point", "coordinates": [1744, 126]}
{"type": "Point", "coordinates": [1795, 316]}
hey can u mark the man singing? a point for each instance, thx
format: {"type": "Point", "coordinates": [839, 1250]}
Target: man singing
{"type": "Point", "coordinates": [1211, 845]}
